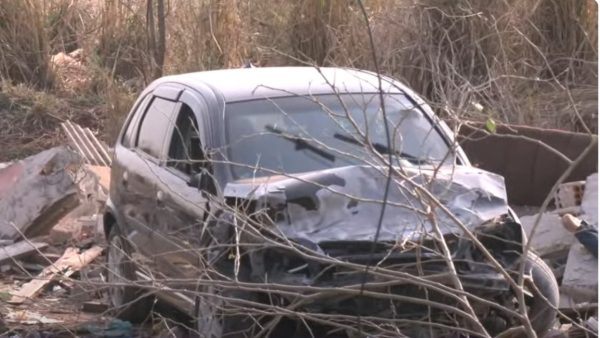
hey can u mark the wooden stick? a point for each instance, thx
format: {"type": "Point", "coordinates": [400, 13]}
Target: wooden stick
{"type": "Point", "coordinates": [69, 263]}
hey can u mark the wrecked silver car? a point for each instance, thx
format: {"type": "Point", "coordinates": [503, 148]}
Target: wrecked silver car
{"type": "Point", "coordinates": [303, 201]}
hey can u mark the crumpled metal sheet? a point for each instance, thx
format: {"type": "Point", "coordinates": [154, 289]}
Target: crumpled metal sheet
{"type": "Point", "coordinates": [38, 191]}
{"type": "Point", "coordinates": [345, 203]}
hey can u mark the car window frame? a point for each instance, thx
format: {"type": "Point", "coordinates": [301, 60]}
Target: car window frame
{"type": "Point", "coordinates": [140, 121]}
{"type": "Point", "coordinates": [199, 109]}
{"type": "Point", "coordinates": [131, 124]}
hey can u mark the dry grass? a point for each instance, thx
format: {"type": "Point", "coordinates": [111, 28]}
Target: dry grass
{"type": "Point", "coordinates": [529, 62]}
{"type": "Point", "coordinates": [25, 51]}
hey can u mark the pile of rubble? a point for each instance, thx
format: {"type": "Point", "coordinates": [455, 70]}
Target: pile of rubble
{"type": "Point", "coordinates": [52, 267]}
{"type": "Point", "coordinates": [50, 232]}
{"type": "Point", "coordinates": [575, 267]}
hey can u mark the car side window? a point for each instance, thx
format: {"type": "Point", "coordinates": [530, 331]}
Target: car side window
{"type": "Point", "coordinates": [154, 126]}
{"type": "Point", "coordinates": [185, 150]}
{"type": "Point", "coordinates": [128, 137]}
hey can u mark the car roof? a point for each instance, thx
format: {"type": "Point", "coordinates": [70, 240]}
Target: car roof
{"type": "Point", "coordinates": [254, 83]}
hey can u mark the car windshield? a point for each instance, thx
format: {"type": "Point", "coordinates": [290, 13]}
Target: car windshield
{"type": "Point", "coordinates": [301, 134]}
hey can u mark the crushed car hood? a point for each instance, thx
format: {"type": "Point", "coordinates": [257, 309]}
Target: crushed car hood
{"type": "Point", "coordinates": [345, 203]}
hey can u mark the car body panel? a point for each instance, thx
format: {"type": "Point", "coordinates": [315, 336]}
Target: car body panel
{"type": "Point", "coordinates": [345, 203]}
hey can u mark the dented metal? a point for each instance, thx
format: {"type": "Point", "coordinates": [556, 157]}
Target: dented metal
{"type": "Point", "coordinates": [345, 203]}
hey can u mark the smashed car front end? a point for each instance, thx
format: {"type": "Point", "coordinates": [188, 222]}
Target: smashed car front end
{"type": "Point", "coordinates": [321, 229]}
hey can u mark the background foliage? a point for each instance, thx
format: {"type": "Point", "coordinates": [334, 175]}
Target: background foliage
{"type": "Point", "coordinates": [519, 61]}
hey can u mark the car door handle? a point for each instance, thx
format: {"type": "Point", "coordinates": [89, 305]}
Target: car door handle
{"type": "Point", "coordinates": [125, 178]}
{"type": "Point", "coordinates": [160, 197]}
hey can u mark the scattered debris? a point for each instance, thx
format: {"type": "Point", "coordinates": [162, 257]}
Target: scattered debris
{"type": "Point", "coordinates": [70, 262]}
{"type": "Point", "coordinates": [577, 268]}
{"type": "Point", "coordinates": [589, 329]}
{"type": "Point", "coordinates": [94, 307]}
{"type": "Point", "coordinates": [38, 191]}
{"type": "Point", "coordinates": [67, 229]}
{"type": "Point", "coordinates": [29, 317]}
{"type": "Point", "coordinates": [86, 144]}
{"type": "Point", "coordinates": [50, 227]}
{"type": "Point", "coordinates": [116, 328]}
{"type": "Point", "coordinates": [569, 194]}
{"type": "Point", "coordinates": [103, 174]}
{"type": "Point", "coordinates": [580, 280]}
{"type": "Point", "coordinates": [19, 249]}
{"type": "Point", "coordinates": [74, 228]}
{"type": "Point", "coordinates": [589, 204]}
{"type": "Point", "coordinates": [550, 236]}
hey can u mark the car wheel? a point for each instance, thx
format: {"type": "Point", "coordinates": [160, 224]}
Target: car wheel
{"type": "Point", "coordinates": [542, 306]}
{"type": "Point", "coordinates": [212, 322]}
{"type": "Point", "coordinates": [128, 302]}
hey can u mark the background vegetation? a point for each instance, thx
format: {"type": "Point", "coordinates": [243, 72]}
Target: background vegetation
{"type": "Point", "coordinates": [519, 61]}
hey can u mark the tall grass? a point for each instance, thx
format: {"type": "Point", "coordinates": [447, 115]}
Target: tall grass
{"type": "Point", "coordinates": [528, 61]}
{"type": "Point", "coordinates": [24, 53]}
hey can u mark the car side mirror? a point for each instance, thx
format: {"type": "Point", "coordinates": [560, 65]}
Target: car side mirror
{"type": "Point", "coordinates": [203, 181]}
{"type": "Point", "coordinates": [195, 180]}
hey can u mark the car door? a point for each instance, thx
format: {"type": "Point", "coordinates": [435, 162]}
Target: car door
{"type": "Point", "coordinates": [140, 165]}
{"type": "Point", "coordinates": [182, 207]}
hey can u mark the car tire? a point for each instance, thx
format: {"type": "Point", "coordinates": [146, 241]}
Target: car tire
{"type": "Point", "coordinates": [211, 322]}
{"type": "Point", "coordinates": [543, 305]}
{"type": "Point", "coordinates": [128, 302]}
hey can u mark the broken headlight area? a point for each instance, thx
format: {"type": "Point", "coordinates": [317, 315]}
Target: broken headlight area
{"type": "Point", "coordinates": [503, 238]}
{"type": "Point", "coordinates": [342, 263]}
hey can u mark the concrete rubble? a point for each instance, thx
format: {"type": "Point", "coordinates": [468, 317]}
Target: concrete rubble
{"type": "Point", "coordinates": [51, 242]}
{"type": "Point", "coordinates": [52, 259]}
{"type": "Point", "coordinates": [580, 280]}
{"type": "Point", "coordinates": [589, 204]}
{"type": "Point", "coordinates": [574, 266]}
{"type": "Point", "coordinates": [550, 236]}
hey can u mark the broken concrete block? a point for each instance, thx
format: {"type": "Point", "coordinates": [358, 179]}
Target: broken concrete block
{"type": "Point", "coordinates": [569, 194]}
{"type": "Point", "coordinates": [580, 281]}
{"type": "Point", "coordinates": [79, 223]}
{"type": "Point", "coordinates": [589, 204]}
{"type": "Point", "coordinates": [89, 225]}
{"type": "Point", "coordinates": [103, 174]}
{"type": "Point", "coordinates": [67, 229]}
{"type": "Point", "coordinates": [550, 235]}
{"type": "Point", "coordinates": [37, 191]}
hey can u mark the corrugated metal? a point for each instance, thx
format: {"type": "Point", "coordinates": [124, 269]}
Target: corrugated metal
{"type": "Point", "coordinates": [86, 144]}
